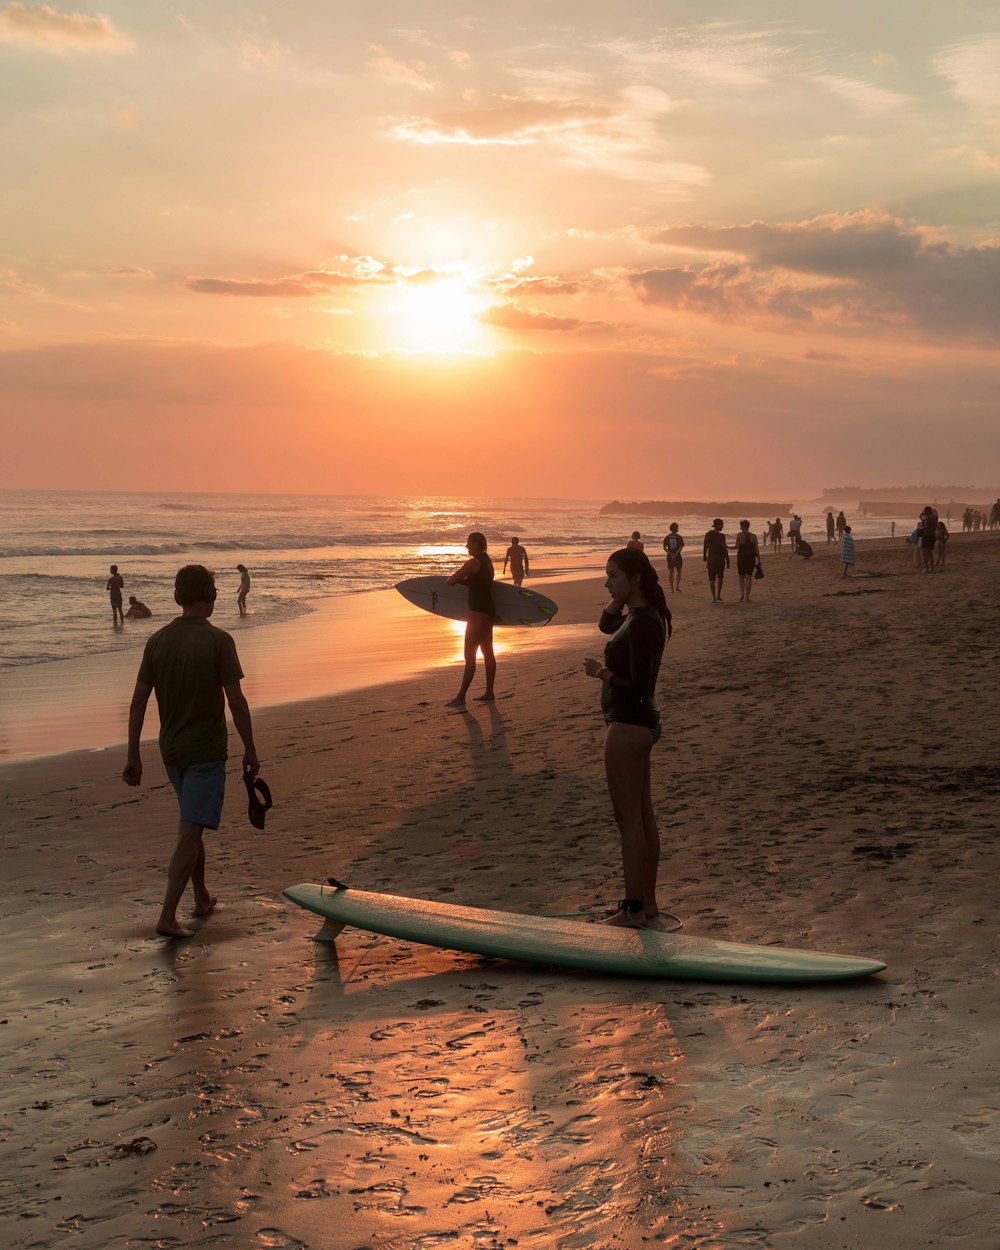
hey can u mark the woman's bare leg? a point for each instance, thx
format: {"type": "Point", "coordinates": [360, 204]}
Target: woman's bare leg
{"type": "Point", "coordinates": [489, 662]}
{"type": "Point", "coordinates": [626, 755]}
{"type": "Point", "coordinates": [652, 835]}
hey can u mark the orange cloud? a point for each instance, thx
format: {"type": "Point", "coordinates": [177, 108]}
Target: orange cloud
{"type": "Point", "coordinates": [514, 121]}
{"type": "Point", "coordinates": [46, 28]}
{"type": "Point", "coordinates": [514, 317]}
{"type": "Point", "coordinates": [877, 270]}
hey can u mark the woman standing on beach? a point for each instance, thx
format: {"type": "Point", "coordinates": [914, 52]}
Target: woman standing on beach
{"type": "Point", "coordinates": [477, 574]}
{"type": "Point", "coordinates": [747, 559]}
{"type": "Point", "coordinates": [628, 682]}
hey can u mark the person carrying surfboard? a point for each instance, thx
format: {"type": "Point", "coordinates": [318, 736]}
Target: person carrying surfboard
{"type": "Point", "coordinates": [628, 683]}
{"type": "Point", "coordinates": [477, 574]}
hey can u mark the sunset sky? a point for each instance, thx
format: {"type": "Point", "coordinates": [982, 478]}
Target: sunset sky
{"type": "Point", "coordinates": [651, 249]}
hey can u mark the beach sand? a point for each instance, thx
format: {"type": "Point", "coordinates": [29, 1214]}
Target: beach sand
{"type": "Point", "coordinates": [827, 778]}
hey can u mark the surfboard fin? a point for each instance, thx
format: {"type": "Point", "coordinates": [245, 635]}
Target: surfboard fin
{"type": "Point", "coordinates": [331, 930]}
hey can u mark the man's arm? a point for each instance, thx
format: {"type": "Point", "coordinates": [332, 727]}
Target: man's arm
{"type": "Point", "coordinates": [527, 565]}
{"type": "Point", "coordinates": [241, 719]}
{"type": "Point", "coordinates": [132, 772]}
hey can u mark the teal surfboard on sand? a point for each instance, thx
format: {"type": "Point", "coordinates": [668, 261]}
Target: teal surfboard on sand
{"type": "Point", "coordinates": [515, 605]}
{"type": "Point", "coordinates": [569, 943]}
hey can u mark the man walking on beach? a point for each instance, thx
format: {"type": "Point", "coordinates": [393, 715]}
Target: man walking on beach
{"type": "Point", "coordinates": [716, 556]}
{"type": "Point", "coordinates": [518, 558]}
{"type": "Point", "coordinates": [116, 583]}
{"type": "Point", "coordinates": [673, 545]}
{"type": "Point", "coordinates": [190, 664]}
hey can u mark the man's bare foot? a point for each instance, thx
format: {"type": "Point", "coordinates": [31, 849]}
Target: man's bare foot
{"type": "Point", "coordinates": [455, 703]}
{"type": "Point", "coordinates": [175, 930]}
{"type": "Point", "coordinates": [205, 908]}
{"type": "Point", "coordinates": [486, 698]}
{"type": "Point", "coordinates": [627, 920]}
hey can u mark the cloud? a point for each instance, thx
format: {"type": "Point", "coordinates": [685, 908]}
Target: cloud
{"type": "Point", "coordinates": [540, 286]}
{"type": "Point", "coordinates": [514, 317]}
{"type": "Point", "coordinates": [719, 54]}
{"type": "Point", "coordinates": [865, 96]}
{"type": "Point", "coordinates": [14, 284]}
{"type": "Point", "coordinates": [300, 285]}
{"type": "Point", "coordinates": [128, 271]}
{"type": "Point", "coordinates": [511, 121]}
{"type": "Point", "coordinates": [826, 357]}
{"type": "Point", "coordinates": [403, 73]}
{"type": "Point", "coordinates": [60, 32]}
{"type": "Point", "coordinates": [971, 68]}
{"type": "Point", "coordinates": [877, 270]}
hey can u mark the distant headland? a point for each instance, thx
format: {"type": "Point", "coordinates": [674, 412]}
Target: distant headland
{"type": "Point", "coordinates": [659, 507]}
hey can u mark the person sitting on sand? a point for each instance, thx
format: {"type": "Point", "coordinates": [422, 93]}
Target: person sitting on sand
{"type": "Point", "coordinates": [847, 552]}
{"type": "Point", "coordinates": [673, 545]}
{"type": "Point", "coordinates": [518, 558]}
{"type": "Point", "coordinates": [241, 595]}
{"type": "Point", "coordinates": [137, 611]}
{"type": "Point", "coordinates": [191, 664]}
{"type": "Point", "coordinates": [116, 584]}
{"type": "Point", "coordinates": [628, 684]}
{"type": "Point", "coordinates": [477, 574]}
{"type": "Point", "coordinates": [635, 543]}
{"type": "Point", "coordinates": [715, 553]}
{"type": "Point", "coordinates": [803, 549]}
{"type": "Point", "coordinates": [747, 559]}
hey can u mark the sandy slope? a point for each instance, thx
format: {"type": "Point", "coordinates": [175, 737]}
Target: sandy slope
{"type": "Point", "coordinates": [828, 776]}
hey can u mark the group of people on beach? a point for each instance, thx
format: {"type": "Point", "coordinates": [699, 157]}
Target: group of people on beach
{"type": "Point", "coordinates": [973, 520]}
{"type": "Point", "coordinates": [138, 611]}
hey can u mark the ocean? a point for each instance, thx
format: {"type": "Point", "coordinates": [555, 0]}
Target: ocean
{"type": "Point", "coordinates": [56, 549]}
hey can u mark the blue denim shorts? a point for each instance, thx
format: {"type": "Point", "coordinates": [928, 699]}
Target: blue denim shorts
{"type": "Point", "coordinates": [201, 789]}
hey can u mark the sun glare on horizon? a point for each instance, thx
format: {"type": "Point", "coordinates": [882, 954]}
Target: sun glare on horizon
{"type": "Point", "coordinates": [435, 317]}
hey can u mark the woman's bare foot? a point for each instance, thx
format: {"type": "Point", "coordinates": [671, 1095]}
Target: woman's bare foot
{"type": "Point", "coordinates": [627, 920]}
{"type": "Point", "coordinates": [205, 907]}
{"type": "Point", "coordinates": [455, 703]}
{"type": "Point", "coordinates": [486, 698]}
{"type": "Point", "coordinates": [175, 930]}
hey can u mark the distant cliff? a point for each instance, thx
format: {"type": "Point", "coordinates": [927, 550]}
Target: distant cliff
{"type": "Point", "coordinates": [732, 508]}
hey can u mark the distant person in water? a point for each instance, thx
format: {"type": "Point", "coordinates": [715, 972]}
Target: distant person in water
{"type": "Point", "coordinates": [715, 554]}
{"type": "Point", "coordinates": [115, 586]}
{"type": "Point", "coordinates": [635, 543]}
{"type": "Point", "coordinates": [191, 665]}
{"type": "Point", "coordinates": [777, 534]}
{"type": "Point", "coordinates": [747, 559]}
{"type": "Point", "coordinates": [628, 675]}
{"type": "Point", "coordinates": [244, 590]}
{"type": "Point", "coordinates": [477, 574]}
{"type": "Point", "coordinates": [137, 611]}
{"type": "Point", "coordinates": [841, 524]}
{"type": "Point", "coordinates": [847, 552]}
{"type": "Point", "coordinates": [830, 527]}
{"type": "Point", "coordinates": [673, 545]}
{"type": "Point", "coordinates": [518, 559]}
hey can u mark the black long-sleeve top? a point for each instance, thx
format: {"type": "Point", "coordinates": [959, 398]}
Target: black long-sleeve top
{"type": "Point", "coordinates": [633, 655]}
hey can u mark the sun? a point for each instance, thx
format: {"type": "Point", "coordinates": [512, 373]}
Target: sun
{"type": "Point", "coordinates": [439, 315]}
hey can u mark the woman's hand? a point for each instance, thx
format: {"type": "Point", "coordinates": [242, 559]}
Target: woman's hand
{"type": "Point", "coordinates": [591, 666]}
{"type": "Point", "coordinates": [616, 607]}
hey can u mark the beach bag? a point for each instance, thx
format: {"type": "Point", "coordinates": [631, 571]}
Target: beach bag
{"type": "Point", "coordinates": [758, 572]}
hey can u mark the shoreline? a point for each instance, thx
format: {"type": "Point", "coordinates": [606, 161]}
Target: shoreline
{"type": "Point", "coordinates": [81, 703]}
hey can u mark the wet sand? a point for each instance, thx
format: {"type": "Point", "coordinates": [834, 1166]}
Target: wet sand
{"type": "Point", "coordinates": [827, 777]}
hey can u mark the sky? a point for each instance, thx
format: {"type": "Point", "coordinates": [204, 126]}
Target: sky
{"type": "Point", "coordinates": [655, 249]}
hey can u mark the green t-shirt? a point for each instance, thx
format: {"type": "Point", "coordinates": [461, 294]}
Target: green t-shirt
{"type": "Point", "coordinates": [188, 663]}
